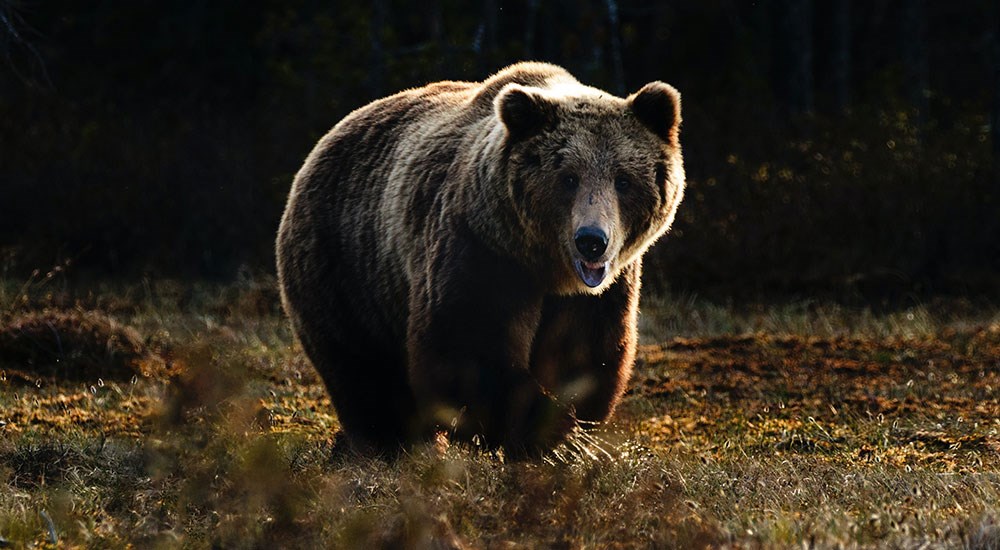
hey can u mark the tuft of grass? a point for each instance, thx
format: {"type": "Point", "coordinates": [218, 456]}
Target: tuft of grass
{"type": "Point", "coordinates": [71, 345]}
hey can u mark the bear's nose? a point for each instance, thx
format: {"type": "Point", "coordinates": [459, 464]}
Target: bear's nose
{"type": "Point", "coordinates": [591, 242]}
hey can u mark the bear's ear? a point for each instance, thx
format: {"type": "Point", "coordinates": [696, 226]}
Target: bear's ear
{"type": "Point", "coordinates": [658, 106]}
{"type": "Point", "coordinates": [522, 111]}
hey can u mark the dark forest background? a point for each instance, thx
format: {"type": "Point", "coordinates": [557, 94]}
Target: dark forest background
{"type": "Point", "coordinates": [836, 145]}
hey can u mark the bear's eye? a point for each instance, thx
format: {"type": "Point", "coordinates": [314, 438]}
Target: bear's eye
{"type": "Point", "coordinates": [569, 181]}
{"type": "Point", "coordinates": [622, 183]}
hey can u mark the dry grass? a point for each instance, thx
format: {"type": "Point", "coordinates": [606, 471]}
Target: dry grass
{"type": "Point", "coordinates": [746, 426]}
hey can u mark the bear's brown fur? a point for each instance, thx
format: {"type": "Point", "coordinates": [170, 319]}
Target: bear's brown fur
{"type": "Point", "coordinates": [466, 256]}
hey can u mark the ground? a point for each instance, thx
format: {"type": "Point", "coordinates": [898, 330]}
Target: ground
{"type": "Point", "coordinates": [780, 424]}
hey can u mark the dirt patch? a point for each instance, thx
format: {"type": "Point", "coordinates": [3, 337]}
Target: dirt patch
{"type": "Point", "coordinates": [918, 400]}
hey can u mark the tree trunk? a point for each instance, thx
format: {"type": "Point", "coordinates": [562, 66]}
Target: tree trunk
{"type": "Point", "coordinates": [841, 55]}
{"type": "Point", "coordinates": [794, 59]}
{"type": "Point", "coordinates": [617, 67]}
{"type": "Point", "coordinates": [914, 53]}
{"type": "Point", "coordinates": [531, 19]}
{"type": "Point", "coordinates": [656, 25]}
{"type": "Point", "coordinates": [488, 52]}
{"type": "Point", "coordinates": [376, 78]}
{"type": "Point", "coordinates": [995, 118]}
{"type": "Point", "coordinates": [439, 51]}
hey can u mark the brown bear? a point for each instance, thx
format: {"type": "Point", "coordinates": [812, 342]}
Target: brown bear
{"type": "Point", "coordinates": [466, 256]}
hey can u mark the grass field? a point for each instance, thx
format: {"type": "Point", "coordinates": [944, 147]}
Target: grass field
{"type": "Point", "coordinates": [183, 415]}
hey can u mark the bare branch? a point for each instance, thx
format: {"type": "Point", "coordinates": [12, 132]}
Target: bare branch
{"type": "Point", "coordinates": [11, 39]}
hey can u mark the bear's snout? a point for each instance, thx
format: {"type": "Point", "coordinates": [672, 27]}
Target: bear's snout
{"type": "Point", "coordinates": [592, 242]}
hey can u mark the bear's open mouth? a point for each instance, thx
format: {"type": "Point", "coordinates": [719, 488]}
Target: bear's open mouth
{"type": "Point", "coordinates": [591, 273]}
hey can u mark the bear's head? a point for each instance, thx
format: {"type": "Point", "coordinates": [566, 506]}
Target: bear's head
{"type": "Point", "coordinates": [593, 179]}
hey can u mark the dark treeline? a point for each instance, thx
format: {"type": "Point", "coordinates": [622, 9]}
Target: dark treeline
{"type": "Point", "coordinates": [828, 144]}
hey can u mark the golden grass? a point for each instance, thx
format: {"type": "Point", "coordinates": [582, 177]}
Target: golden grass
{"type": "Point", "coordinates": [877, 430]}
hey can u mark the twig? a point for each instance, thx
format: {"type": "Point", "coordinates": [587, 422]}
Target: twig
{"type": "Point", "coordinates": [53, 538]}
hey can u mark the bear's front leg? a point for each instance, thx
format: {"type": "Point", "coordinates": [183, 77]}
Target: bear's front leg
{"type": "Point", "coordinates": [472, 318]}
{"type": "Point", "coordinates": [585, 346]}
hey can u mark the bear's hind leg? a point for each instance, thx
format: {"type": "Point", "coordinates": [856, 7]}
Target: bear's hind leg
{"type": "Point", "coordinates": [373, 401]}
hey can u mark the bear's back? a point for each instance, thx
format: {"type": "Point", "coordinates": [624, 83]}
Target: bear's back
{"type": "Point", "coordinates": [454, 102]}
{"type": "Point", "coordinates": [528, 73]}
